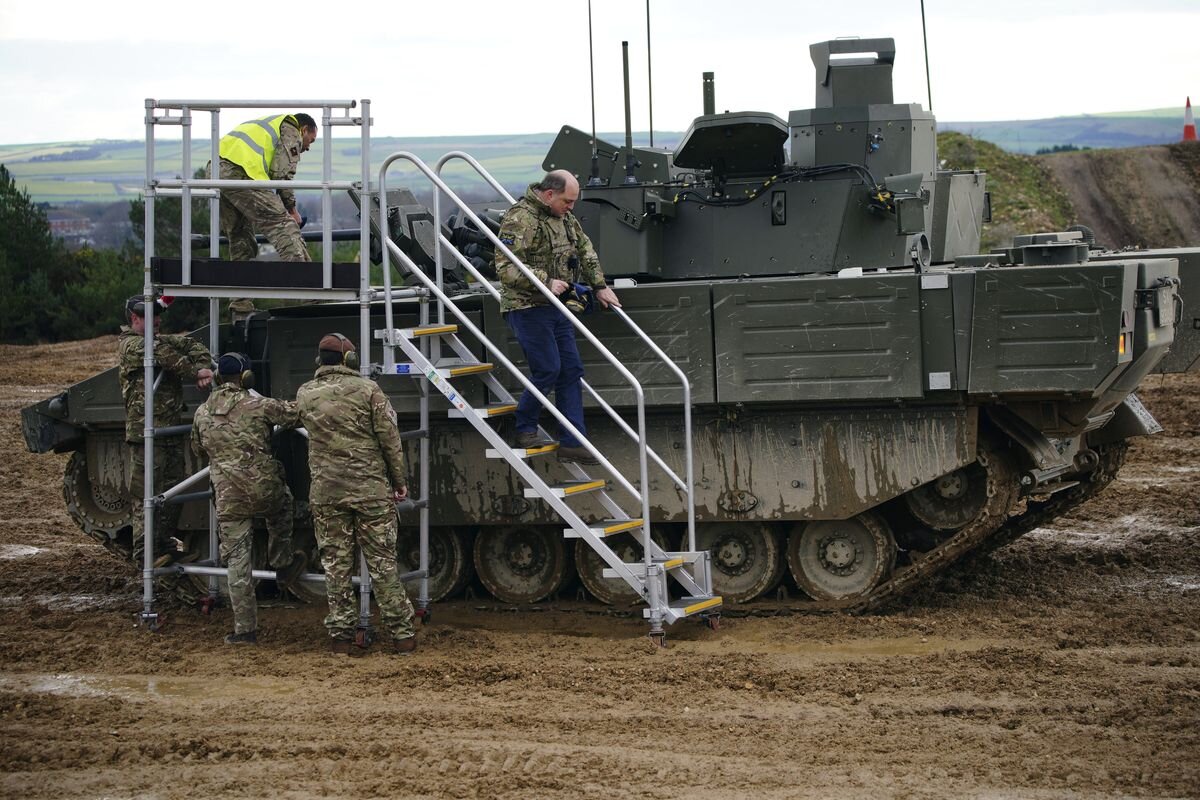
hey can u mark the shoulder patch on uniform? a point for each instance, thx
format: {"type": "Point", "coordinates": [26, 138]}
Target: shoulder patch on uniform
{"type": "Point", "coordinates": [508, 240]}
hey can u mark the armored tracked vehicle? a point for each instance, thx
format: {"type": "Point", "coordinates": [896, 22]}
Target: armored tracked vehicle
{"type": "Point", "coordinates": [871, 398]}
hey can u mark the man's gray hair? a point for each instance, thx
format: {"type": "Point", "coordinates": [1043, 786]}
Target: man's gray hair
{"type": "Point", "coordinates": [555, 181]}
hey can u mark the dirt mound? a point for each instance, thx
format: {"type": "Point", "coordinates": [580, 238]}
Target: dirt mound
{"type": "Point", "coordinates": [1064, 665]}
{"type": "Point", "coordinates": [1134, 197]}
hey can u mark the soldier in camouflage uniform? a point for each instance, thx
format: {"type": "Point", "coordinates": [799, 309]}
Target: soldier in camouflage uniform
{"type": "Point", "coordinates": [233, 428]}
{"type": "Point", "coordinates": [267, 148]}
{"type": "Point", "coordinates": [541, 231]}
{"type": "Point", "coordinates": [357, 468]}
{"type": "Point", "coordinates": [175, 358]}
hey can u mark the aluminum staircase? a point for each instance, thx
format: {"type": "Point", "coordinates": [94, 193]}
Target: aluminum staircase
{"type": "Point", "coordinates": [434, 353]}
{"type": "Point", "coordinates": [691, 570]}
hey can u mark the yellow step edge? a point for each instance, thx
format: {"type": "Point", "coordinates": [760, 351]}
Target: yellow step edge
{"type": "Point", "coordinates": [537, 451]}
{"type": "Point", "coordinates": [626, 525]}
{"type": "Point", "coordinates": [673, 563]}
{"type": "Point", "coordinates": [506, 409]}
{"type": "Point", "coordinates": [434, 330]}
{"type": "Point", "coordinates": [709, 603]}
{"type": "Point", "coordinates": [583, 487]}
{"type": "Point", "coordinates": [470, 369]}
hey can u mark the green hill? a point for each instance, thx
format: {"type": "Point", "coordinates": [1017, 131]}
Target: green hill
{"type": "Point", "coordinates": [1117, 129]}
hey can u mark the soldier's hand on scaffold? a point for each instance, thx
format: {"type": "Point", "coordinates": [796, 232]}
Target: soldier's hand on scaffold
{"type": "Point", "coordinates": [401, 494]}
{"type": "Point", "coordinates": [204, 378]}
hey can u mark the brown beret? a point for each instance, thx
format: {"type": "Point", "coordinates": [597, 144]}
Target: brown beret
{"type": "Point", "coordinates": [336, 343]}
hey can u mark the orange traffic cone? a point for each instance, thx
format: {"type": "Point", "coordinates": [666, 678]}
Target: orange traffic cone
{"type": "Point", "coordinates": [1189, 123]}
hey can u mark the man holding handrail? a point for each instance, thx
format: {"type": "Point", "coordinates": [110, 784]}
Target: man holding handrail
{"type": "Point", "coordinates": [541, 231]}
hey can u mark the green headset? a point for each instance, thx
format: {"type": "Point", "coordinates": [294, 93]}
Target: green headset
{"type": "Point", "coordinates": [349, 354]}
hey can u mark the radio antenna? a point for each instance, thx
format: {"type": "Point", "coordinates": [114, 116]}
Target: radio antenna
{"type": "Point", "coordinates": [650, 74]}
{"type": "Point", "coordinates": [594, 178]}
{"type": "Point", "coordinates": [925, 36]}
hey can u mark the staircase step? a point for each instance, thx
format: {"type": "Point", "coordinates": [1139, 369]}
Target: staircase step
{"type": "Point", "coordinates": [487, 412]}
{"type": "Point", "coordinates": [569, 489]}
{"type": "Point", "coordinates": [429, 330]}
{"type": "Point", "coordinates": [465, 369]}
{"type": "Point", "coordinates": [524, 452]}
{"type": "Point", "coordinates": [672, 561]}
{"type": "Point", "coordinates": [607, 527]}
{"type": "Point", "coordinates": [686, 606]}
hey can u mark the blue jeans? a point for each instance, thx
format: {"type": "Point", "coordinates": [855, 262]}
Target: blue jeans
{"type": "Point", "coordinates": [548, 339]}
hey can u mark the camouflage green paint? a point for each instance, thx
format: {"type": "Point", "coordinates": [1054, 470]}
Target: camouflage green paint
{"type": "Point", "coordinates": [544, 243]}
{"type": "Point", "coordinates": [236, 553]}
{"type": "Point", "coordinates": [233, 428]}
{"type": "Point", "coordinates": [245, 212]}
{"type": "Point", "coordinates": [354, 453]}
{"type": "Point", "coordinates": [356, 463]}
{"type": "Point", "coordinates": [372, 527]}
{"type": "Point", "coordinates": [178, 357]}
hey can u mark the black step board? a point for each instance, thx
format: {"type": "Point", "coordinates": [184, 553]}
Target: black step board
{"type": "Point", "coordinates": [255, 274]}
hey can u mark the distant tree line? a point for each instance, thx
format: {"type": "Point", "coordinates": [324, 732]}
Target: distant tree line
{"type": "Point", "coordinates": [71, 155]}
{"type": "Point", "coordinates": [49, 293]}
{"type": "Point", "coordinates": [1060, 148]}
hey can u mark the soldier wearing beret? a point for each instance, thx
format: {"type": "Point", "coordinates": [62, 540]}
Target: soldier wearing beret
{"type": "Point", "coordinates": [233, 429]}
{"type": "Point", "coordinates": [175, 358]}
{"type": "Point", "coordinates": [542, 232]}
{"type": "Point", "coordinates": [357, 467]}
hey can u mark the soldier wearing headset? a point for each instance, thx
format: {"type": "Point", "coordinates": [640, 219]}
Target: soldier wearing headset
{"type": "Point", "coordinates": [233, 429]}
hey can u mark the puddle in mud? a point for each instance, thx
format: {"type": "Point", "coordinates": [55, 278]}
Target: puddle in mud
{"type": "Point", "coordinates": [137, 687]}
{"type": "Point", "coordinates": [9, 552]}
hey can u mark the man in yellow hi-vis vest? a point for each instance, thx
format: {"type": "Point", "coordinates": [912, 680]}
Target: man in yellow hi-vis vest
{"type": "Point", "coordinates": [263, 149]}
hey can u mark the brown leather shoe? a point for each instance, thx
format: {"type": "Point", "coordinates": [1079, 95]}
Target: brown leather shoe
{"type": "Point", "coordinates": [348, 647]}
{"type": "Point", "coordinates": [405, 646]}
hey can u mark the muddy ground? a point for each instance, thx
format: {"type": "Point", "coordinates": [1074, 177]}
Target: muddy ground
{"type": "Point", "coordinates": [1066, 665]}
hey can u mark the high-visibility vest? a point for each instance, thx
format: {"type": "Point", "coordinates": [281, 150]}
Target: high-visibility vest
{"type": "Point", "coordinates": [252, 144]}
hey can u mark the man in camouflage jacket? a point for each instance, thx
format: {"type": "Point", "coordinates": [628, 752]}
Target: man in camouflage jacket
{"type": "Point", "coordinates": [233, 429]}
{"type": "Point", "coordinates": [175, 358]}
{"type": "Point", "coordinates": [356, 465]}
{"type": "Point", "coordinates": [245, 212]}
{"type": "Point", "coordinates": [541, 231]}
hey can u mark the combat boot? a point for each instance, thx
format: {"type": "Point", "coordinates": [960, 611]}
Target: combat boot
{"type": "Point", "coordinates": [405, 646]}
{"type": "Point", "coordinates": [249, 637]}
{"type": "Point", "coordinates": [348, 647]}
{"type": "Point", "coordinates": [288, 575]}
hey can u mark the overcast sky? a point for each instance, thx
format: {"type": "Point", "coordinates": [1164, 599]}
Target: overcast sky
{"type": "Point", "coordinates": [73, 70]}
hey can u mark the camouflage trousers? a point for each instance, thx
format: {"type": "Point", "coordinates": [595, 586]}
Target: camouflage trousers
{"type": "Point", "coordinates": [372, 526]}
{"type": "Point", "coordinates": [245, 212]}
{"type": "Point", "coordinates": [168, 471]}
{"type": "Point", "coordinates": [236, 553]}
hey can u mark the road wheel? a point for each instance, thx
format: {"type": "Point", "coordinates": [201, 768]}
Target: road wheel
{"type": "Point", "coordinates": [746, 558]}
{"type": "Point", "coordinates": [450, 566]}
{"type": "Point", "coordinates": [839, 559]}
{"type": "Point", "coordinates": [521, 563]}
